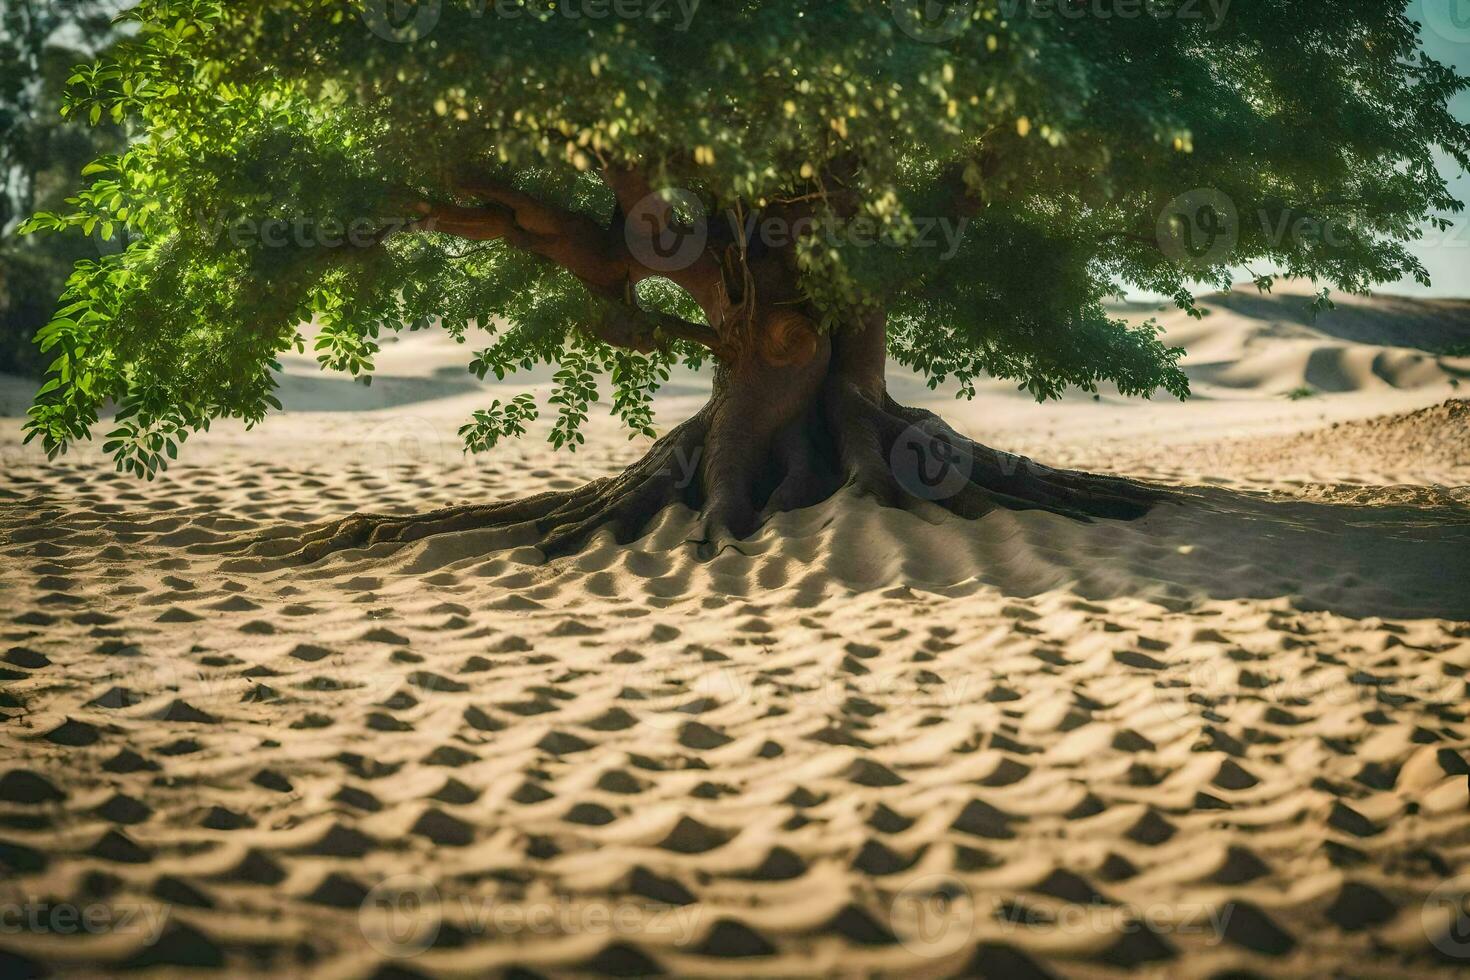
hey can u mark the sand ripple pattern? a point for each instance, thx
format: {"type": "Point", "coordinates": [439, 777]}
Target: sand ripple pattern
{"type": "Point", "coordinates": [1229, 737]}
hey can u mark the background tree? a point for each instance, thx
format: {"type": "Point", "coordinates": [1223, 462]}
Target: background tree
{"type": "Point", "coordinates": [40, 154]}
{"type": "Point", "coordinates": [507, 167]}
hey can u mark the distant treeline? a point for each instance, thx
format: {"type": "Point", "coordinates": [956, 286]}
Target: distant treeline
{"type": "Point", "coordinates": [41, 155]}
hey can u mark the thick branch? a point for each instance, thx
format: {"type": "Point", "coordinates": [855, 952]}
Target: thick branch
{"type": "Point", "coordinates": [631, 327]}
{"type": "Point", "coordinates": [600, 258]}
{"type": "Point", "coordinates": [572, 241]}
{"type": "Point", "coordinates": [581, 247]}
{"type": "Point", "coordinates": [535, 216]}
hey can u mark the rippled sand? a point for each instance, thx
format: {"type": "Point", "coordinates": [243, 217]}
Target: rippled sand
{"type": "Point", "coordinates": [1230, 736]}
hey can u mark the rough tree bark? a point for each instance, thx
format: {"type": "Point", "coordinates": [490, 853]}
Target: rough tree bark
{"type": "Point", "coordinates": [796, 415]}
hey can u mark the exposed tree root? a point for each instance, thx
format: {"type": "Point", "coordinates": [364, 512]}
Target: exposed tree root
{"type": "Point", "coordinates": [996, 478]}
{"type": "Point", "coordinates": [736, 480]}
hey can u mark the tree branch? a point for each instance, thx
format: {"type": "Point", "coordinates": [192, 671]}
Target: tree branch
{"type": "Point", "coordinates": [573, 241]}
{"type": "Point", "coordinates": [535, 216]}
{"type": "Point", "coordinates": [600, 258]}
{"type": "Point", "coordinates": [631, 327]}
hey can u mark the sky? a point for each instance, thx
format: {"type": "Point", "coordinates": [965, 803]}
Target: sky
{"type": "Point", "coordinates": [1447, 256]}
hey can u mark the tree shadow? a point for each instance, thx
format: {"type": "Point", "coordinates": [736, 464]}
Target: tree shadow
{"type": "Point", "coordinates": [1356, 560]}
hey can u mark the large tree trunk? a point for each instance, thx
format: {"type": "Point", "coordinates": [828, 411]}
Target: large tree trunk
{"type": "Point", "coordinates": [794, 419]}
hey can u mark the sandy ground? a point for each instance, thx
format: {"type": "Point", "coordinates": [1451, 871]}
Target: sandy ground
{"type": "Point", "coordinates": [1229, 738]}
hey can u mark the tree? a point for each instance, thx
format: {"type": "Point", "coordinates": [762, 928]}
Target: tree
{"type": "Point", "coordinates": [750, 185]}
{"type": "Point", "coordinates": [40, 154]}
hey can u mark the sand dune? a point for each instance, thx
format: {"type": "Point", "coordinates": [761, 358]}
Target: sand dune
{"type": "Point", "coordinates": [1274, 343]}
{"type": "Point", "coordinates": [1226, 739]}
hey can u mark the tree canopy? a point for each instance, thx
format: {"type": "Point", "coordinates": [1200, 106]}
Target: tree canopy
{"type": "Point", "coordinates": [308, 160]}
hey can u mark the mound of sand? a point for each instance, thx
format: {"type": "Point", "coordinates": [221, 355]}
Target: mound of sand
{"type": "Point", "coordinates": [1407, 441]}
{"type": "Point", "coordinates": [1417, 458]}
{"type": "Point", "coordinates": [1426, 448]}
